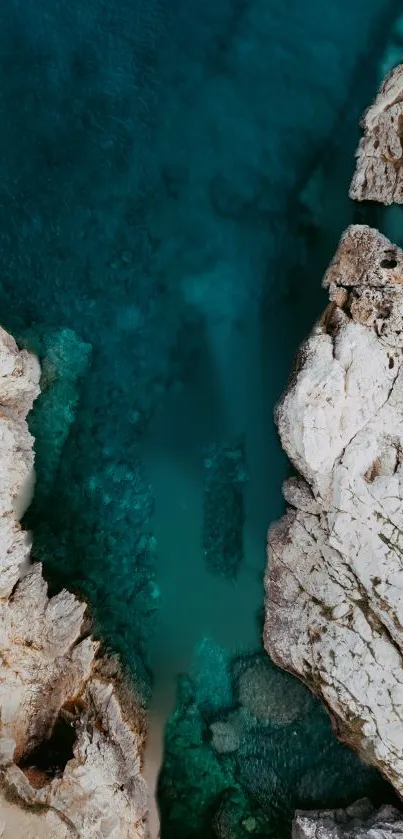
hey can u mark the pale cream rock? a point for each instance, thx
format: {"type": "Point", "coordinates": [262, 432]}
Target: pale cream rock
{"type": "Point", "coordinates": [360, 821]}
{"type": "Point", "coordinates": [379, 175]}
{"type": "Point", "coordinates": [334, 609]}
{"type": "Point", "coordinates": [49, 672]}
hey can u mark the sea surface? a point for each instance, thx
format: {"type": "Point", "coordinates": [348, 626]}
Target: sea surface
{"type": "Point", "coordinates": [173, 183]}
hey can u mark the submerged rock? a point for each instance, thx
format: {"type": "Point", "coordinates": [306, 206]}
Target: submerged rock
{"type": "Point", "coordinates": [334, 611]}
{"type": "Point", "coordinates": [65, 360]}
{"type": "Point", "coordinates": [71, 735]}
{"type": "Point", "coordinates": [226, 736]}
{"type": "Point", "coordinates": [360, 821]}
{"type": "Point", "coordinates": [223, 508]}
{"type": "Point", "coordinates": [237, 818]}
{"type": "Point", "coordinates": [270, 696]}
{"type": "Point", "coordinates": [379, 173]}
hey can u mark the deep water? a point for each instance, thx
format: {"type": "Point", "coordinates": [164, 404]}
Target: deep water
{"type": "Point", "coordinates": [173, 182]}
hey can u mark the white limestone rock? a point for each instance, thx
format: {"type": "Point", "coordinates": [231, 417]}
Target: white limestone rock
{"type": "Point", "coordinates": [50, 677]}
{"type": "Point", "coordinates": [379, 174]}
{"type": "Point", "coordinates": [334, 609]}
{"type": "Point", "coordinates": [360, 821]}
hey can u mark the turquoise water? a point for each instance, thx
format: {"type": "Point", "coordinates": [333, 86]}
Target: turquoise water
{"type": "Point", "coordinates": [173, 181]}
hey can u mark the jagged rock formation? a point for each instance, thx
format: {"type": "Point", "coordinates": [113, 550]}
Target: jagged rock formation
{"type": "Point", "coordinates": [379, 172]}
{"type": "Point", "coordinates": [70, 735]}
{"type": "Point", "coordinates": [334, 583]}
{"type": "Point", "coordinates": [359, 821]}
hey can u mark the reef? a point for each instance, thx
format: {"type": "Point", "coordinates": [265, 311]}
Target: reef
{"type": "Point", "coordinates": [72, 732]}
{"type": "Point", "coordinates": [357, 822]}
{"type": "Point", "coordinates": [247, 764]}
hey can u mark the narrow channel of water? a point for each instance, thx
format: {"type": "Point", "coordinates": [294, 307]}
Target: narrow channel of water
{"type": "Point", "coordinates": [223, 396]}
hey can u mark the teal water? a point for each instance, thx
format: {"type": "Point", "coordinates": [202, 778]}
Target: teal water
{"type": "Point", "coordinates": [173, 181]}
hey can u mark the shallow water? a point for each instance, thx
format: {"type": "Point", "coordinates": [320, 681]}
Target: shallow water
{"type": "Point", "coordinates": [153, 160]}
{"type": "Point", "coordinates": [195, 603]}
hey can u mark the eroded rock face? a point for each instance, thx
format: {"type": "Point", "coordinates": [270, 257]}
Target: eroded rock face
{"type": "Point", "coordinates": [379, 173]}
{"type": "Point", "coordinates": [70, 734]}
{"type": "Point", "coordinates": [334, 610]}
{"type": "Point", "coordinates": [360, 821]}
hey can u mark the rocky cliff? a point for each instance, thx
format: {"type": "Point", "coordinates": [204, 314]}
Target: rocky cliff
{"type": "Point", "coordinates": [71, 735]}
{"type": "Point", "coordinates": [334, 613]}
{"type": "Point", "coordinates": [379, 173]}
{"type": "Point", "coordinates": [334, 606]}
{"type": "Point", "coordinates": [360, 821]}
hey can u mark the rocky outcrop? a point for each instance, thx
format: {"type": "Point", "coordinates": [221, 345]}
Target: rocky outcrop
{"type": "Point", "coordinates": [359, 821]}
{"type": "Point", "coordinates": [379, 173]}
{"type": "Point", "coordinates": [334, 612]}
{"type": "Point", "coordinates": [70, 734]}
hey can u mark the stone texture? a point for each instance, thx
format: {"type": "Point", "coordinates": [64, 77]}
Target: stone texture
{"type": "Point", "coordinates": [271, 697]}
{"type": "Point", "coordinates": [71, 735]}
{"type": "Point", "coordinates": [379, 174]}
{"type": "Point", "coordinates": [334, 610]}
{"type": "Point", "coordinates": [226, 736]}
{"type": "Point", "coordinates": [360, 821]}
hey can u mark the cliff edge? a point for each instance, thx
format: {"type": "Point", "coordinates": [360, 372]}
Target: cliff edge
{"type": "Point", "coordinates": [71, 736]}
{"type": "Point", "coordinates": [334, 612]}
